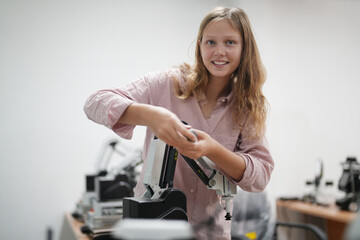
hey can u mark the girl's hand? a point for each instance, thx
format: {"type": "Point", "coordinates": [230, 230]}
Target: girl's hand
{"type": "Point", "coordinates": [169, 128]}
{"type": "Point", "coordinates": [162, 122]}
{"type": "Point", "coordinates": [231, 163]}
{"type": "Point", "coordinates": [202, 147]}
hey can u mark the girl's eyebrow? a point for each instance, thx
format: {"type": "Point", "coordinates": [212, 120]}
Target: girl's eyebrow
{"type": "Point", "coordinates": [227, 36]}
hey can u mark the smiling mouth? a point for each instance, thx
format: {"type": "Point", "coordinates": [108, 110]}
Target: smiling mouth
{"type": "Point", "coordinates": [219, 63]}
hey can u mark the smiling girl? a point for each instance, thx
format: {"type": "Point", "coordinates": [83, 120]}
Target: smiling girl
{"type": "Point", "coordinates": [220, 96]}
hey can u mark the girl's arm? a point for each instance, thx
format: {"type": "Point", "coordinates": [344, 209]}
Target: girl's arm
{"type": "Point", "coordinates": [231, 163]}
{"type": "Point", "coordinates": [121, 109]}
{"type": "Point", "coordinates": [249, 166]}
{"type": "Point", "coordinates": [163, 123]}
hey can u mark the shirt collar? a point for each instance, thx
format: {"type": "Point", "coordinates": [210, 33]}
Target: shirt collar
{"type": "Point", "coordinates": [203, 100]}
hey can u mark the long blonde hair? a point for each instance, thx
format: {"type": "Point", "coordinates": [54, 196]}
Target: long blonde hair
{"type": "Point", "coordinates": [247, 80]}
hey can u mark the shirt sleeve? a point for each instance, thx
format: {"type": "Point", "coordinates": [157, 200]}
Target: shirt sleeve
{"type": "Point", "coordinates": [106, 106]}
{"type": "Point", "coordinates": [258, 160]}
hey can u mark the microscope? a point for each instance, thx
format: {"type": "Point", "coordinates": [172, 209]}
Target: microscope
{"type": "Point", "coordinates": [161, 200]}
{"type": "Point", "coordinates": [350, 184]}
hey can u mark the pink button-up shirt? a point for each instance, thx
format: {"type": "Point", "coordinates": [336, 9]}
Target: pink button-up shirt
{"type": "Point", "coordinates": [107, 106]}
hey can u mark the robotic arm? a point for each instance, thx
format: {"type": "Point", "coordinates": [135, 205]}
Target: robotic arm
{"type": "Point", "coordinates": [159, 169]}
{"type": "Point", "coordinates": [158, 181]}
{"type": "Point", "coordinates": [215, 181]}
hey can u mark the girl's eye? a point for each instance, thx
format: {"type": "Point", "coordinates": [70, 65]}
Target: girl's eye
{"type": "Point", "coordinates": [210, 42]}
{"type": "Point", "coordinates": [230, 42]}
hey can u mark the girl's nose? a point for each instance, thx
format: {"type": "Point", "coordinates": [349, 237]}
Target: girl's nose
{"type": "Point", "coordinates": [220, 50]}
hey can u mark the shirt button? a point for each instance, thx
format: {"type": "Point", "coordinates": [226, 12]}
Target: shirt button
{"type": "Point", "coordinates": [191, 190]}
{"type": "Point", "coordinates": [223, 100]}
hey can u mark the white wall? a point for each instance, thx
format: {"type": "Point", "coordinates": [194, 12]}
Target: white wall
{"type": "Point", "coordinates": [54, 54]}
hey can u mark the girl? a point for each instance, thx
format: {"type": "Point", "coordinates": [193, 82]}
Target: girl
{"type": "Point", "coordinates": [220, 97]}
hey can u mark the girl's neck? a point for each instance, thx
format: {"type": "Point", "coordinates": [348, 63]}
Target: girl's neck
{"type": "Point", "coordinates": [217, 88]}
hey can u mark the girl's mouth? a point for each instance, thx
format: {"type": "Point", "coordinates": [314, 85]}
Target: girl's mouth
{"type": "Point", "coordinates": [219, 63]}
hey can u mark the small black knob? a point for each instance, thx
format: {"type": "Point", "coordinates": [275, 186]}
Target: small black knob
{"type": "Point", "coordinates": [228, 216]}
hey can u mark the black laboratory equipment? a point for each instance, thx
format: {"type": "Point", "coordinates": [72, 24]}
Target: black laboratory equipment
{"type": "Point", "coordinates": [84, 204]}
{"type": "Point", "coordinates": [101, 206]}
{"type": "Point", "coordinates": [313, 196]}
{"type": "Point", "coordinates": [160, 199]}
{"type": "Point", "coordinates": [350, 184]}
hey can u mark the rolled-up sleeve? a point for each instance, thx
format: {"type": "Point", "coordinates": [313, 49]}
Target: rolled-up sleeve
{"type": "Point", "coordinates": [106, 106]}
{"type": "Point", "coordinates": [258, 160]}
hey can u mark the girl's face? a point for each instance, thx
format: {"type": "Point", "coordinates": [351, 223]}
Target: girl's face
{"type": "Point", "coordinates": [220, 49]}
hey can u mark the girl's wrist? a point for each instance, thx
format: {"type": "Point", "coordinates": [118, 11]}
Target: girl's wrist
{"type": "Point", "coordinates": [211, 147]}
